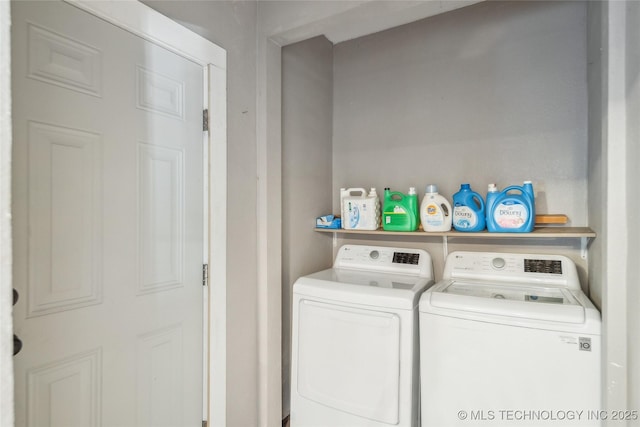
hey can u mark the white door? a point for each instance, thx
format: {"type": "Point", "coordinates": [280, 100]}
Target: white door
{"type": "Point", "coordinates": [108, 213]}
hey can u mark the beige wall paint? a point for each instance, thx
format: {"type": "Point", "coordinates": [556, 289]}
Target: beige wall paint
{"type": "Point", "coordinates": [307, 85]}
{"type": "Point", "coordinates": [232, 25]}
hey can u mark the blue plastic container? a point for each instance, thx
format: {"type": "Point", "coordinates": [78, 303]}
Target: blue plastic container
{"type": "Point", "coordinates": [492, 193]}
{"type": "Point", "coordinates": [511, 210]}
{"type": "Point", "coordinates": [468, 210]}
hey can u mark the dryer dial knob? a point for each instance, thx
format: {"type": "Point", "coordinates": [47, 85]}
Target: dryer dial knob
{"type": "Point", "coordinates": [374, 254]}
{"type": "Point", "coordinates": [498, 263]}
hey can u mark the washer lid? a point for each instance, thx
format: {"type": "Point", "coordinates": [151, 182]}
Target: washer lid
{"type": "Point", "coordinates": [514, 300]}
{"type": "Point", "coordinates": [385, 290]}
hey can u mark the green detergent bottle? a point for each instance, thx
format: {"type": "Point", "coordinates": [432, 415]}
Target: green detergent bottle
{"type": "Point", "coordinates": [400, 211]}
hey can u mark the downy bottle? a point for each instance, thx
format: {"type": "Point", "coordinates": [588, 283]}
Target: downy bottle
{"type": "Point", "coordinates": [468, 210]}
{"type": "Point", "coordinates": [512, 210]}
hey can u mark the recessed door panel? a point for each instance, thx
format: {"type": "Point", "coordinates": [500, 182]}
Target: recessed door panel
{"type": "Point", "coordinates": [349, 359]}
{"type": "Point", "coordinates": [66, 392]}
{"type": "Point", "coordinates": [62, 61]}
{"type": "Point", "coordinates": [65, 215]}
{"type": "Point", "coordinates": [160, 218]}
{"type": "Point", "coordinates": [160, 394]}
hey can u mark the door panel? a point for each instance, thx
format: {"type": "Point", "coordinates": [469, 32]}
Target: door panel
{"type": "Point", "coordinates": [64, 172]}
{"type": "Point", "coordinates": [107, 186]}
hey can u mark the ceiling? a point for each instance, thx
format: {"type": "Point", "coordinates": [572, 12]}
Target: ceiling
{"type": "Point", "coordinates": [289, 22]}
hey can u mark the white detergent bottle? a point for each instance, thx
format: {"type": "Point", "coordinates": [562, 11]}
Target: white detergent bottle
{"type": "Point", "coordinates": [344, 194]}
{"type": "Point", "coordinates": [373, 195]}
{"type": "Point", "coordinates": [435, 211]}
{"type": "Point", "coordinates": [360, 212]}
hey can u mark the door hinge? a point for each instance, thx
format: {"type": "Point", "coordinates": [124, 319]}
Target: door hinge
{"type": "Point", "coordinates": [205, 120]}
{"type": "Point", "coordinates": [205, 274]}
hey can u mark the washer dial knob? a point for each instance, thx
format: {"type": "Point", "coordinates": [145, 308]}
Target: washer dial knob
{"type": "Point", "coordinates": [498, 263]}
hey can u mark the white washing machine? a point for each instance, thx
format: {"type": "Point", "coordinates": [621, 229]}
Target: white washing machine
{"type": "Point", "coordinates": [355, 341]}
{"type": "Point", "coordinates": [509, 340]}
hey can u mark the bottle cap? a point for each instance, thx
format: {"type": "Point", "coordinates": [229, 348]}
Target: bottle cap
{"type": "Point", "coordinates": [412, 190]}
{"type": "Point", "coordinates": [465, 187]}
{"type": "Point", "coordinates": [492, 188]}
{"type": "Point", "coordinates": [431, 188]}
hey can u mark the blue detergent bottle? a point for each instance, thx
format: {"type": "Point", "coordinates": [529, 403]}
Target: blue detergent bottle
{"type": "Point", "coordinates": [492, 193]}
{"type": "Point", "coordinates": [468, 210]}
{"type": "Point", "coordinates": [512, 210]}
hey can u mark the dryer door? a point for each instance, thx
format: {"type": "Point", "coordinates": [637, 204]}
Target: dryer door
{"type": "Point", "coordinates": [349, 359]}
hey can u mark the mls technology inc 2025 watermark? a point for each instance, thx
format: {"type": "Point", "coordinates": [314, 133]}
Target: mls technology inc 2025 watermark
{"type": "Point", "coordinates": [550, 416]}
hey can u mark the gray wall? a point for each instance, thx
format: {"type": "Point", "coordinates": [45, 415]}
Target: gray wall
{"type": "Point", "coordinates": [596, 149]}
{"type": "Point", "coordinates": [494, 92]}
{"type": "Point", "coordinates": [597, 64]}
{"type": "Point", "coordinates": [633, 178]}
{"type": "Point", "coordinates": [232, 25]}
{"type": "Point", "coordinates": [306, 172]}
{"type": "Point", "coordinates": [614, 154]}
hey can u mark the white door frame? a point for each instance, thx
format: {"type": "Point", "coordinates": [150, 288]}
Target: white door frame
{"type": "Point", "coordinates": [145, 22]}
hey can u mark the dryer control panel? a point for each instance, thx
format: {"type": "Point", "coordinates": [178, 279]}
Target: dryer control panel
{"type": "Point", "coordinates": [415, 262]}
{"type": "Point", "coordinates": [510, 267]}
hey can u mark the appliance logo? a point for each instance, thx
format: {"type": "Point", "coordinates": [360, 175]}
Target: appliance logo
{"type": "Point", "coordinates": [584, 343]}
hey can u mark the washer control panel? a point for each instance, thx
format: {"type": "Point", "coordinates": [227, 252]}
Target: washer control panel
{"type": "Point", "coordinates": [551, 269]}
{"type": "Point", "coordinates": [406, 258]}
{"type": "Point", "coordinates": [385, 259]}
{"type": "Point", "coordinates": [550, 266]}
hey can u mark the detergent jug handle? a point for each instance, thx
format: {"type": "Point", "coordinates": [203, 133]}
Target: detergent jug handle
{"type": "Point", "coordinates": [513, 187]}
{"type": "Point", "coordinates": [349, 191]}
{"type": "Point", "coordinates": [477, 196]}
{"type": "Point", "coordinates": [396, 195]}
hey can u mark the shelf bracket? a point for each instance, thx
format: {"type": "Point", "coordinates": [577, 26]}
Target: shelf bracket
{"type": "Point", "coordinates": [445, 246]}
{"type": "Point", "coordinates": [584, 242]}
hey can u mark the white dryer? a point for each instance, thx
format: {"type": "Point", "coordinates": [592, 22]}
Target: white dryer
{"type": "Point", "coordinates": [509, 340]}
{"type": "Point", "coordinates": [355, 341]}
